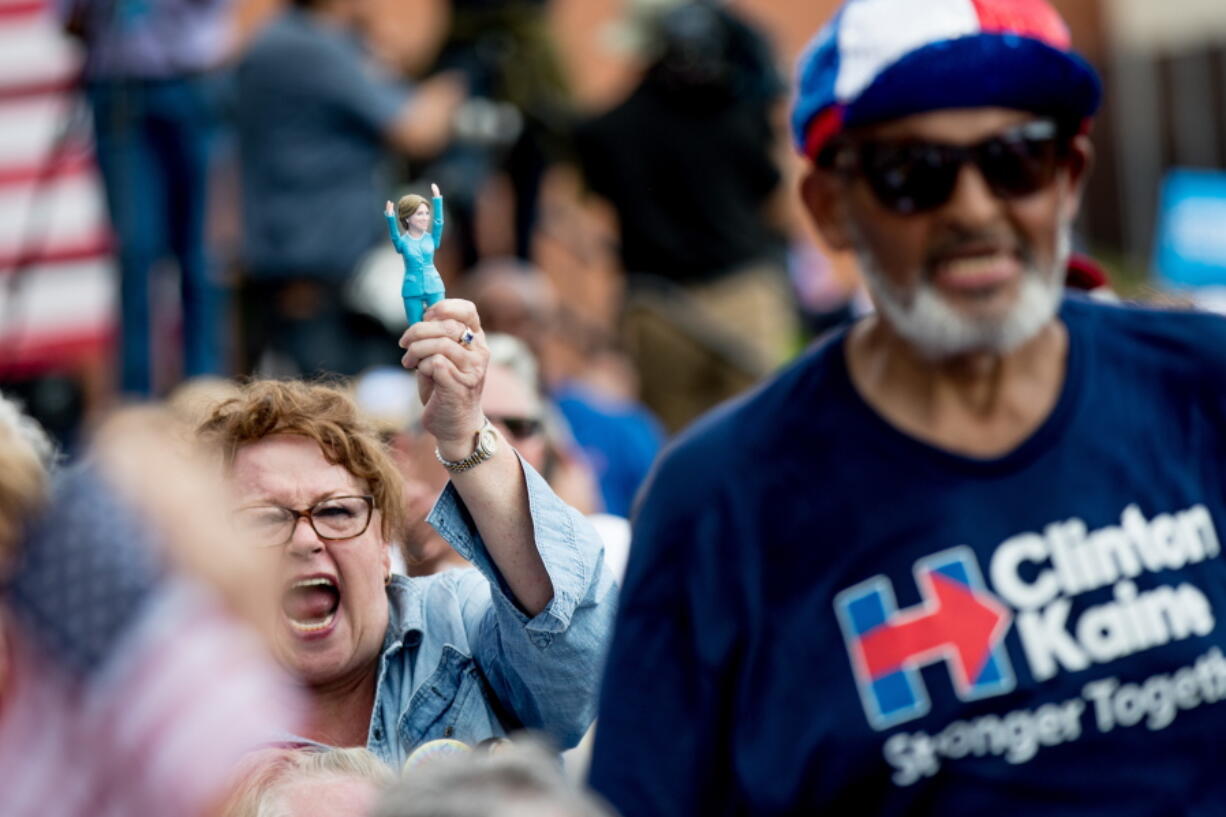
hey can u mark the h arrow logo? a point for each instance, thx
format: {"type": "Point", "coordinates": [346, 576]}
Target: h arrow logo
{"type": "Point", "coordinates": [958, 622]}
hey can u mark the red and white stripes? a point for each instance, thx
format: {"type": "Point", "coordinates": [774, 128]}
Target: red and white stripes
{"type": "Point", "coordinates": [57, 280]}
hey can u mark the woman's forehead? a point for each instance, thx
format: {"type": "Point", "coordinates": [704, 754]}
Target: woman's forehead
{"type": "Point", "coordinates": [291, 468]}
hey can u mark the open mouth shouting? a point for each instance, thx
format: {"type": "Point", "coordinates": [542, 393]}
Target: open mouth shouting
{"type": "Point", "coordinates": [310, 605]}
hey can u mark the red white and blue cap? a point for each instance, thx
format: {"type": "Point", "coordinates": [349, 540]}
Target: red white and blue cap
{"type": "Point", "coordinates": [884, 59]}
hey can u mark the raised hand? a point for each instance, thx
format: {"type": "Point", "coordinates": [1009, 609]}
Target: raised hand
{"type": "Point", "coordinates": [434, 191]}
{"type": "Point", "coordinates": [450, 372]}
{"type": "Point", "coordinates": [389, 209]}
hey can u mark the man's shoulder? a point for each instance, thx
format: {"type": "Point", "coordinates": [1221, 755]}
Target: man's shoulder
{"type": "Point", "coordinates": [1145, 337]}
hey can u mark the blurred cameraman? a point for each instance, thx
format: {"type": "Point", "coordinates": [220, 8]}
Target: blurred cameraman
{"type": "Point", "coordinates": [317, 121]}
{"type": "Point", "coordinates": [687, 162]}
{"type": "Point", "coordinates": [518, 118]}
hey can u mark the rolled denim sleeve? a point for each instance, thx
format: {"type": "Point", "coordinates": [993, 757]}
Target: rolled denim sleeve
{"type": "Point", "coordinates": [545, 669]}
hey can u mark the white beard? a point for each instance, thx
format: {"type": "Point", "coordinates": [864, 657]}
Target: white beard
{"type": "Point", "coordinates": [939, 331]}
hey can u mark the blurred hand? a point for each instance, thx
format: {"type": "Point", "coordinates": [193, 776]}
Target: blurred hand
{"type": "Point", "coordinates": [423, 126]}
{"type": "Point", "coordinates": [157, 466]}
{"type": "Point", "coordinates": [389, 210]}
{"type": "Point", "coordinates": [434, 191]}
{"type": "Point", "coordinates": [450, 375]}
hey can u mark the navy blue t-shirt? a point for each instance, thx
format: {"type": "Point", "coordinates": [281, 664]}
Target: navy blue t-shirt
{"type": "Point", "coordinates": [824, 615]}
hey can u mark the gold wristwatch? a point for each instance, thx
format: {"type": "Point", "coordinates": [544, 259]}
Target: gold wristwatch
{"type": "Point", "coordinates": [485, 447]}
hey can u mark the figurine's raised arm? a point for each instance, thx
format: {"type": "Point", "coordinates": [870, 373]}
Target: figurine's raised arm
{"type": "Point", "coordinates": [437, 228]}
{"type": "Point", "coordinates": [393, 228]}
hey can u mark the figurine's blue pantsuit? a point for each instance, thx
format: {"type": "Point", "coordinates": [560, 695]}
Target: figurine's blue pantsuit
{"type": "Point", "coordinates": [416, 305]}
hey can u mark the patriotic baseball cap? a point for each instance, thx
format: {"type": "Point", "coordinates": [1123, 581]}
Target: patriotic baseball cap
{"type": "Point", "coordinates": [883, 59]}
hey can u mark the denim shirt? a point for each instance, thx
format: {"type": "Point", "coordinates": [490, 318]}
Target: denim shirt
{"type": "Point", "coordinates": [461, 660]}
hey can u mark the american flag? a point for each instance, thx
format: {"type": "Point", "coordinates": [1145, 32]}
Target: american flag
{"type": "Point", "coordinates": [131, 691]}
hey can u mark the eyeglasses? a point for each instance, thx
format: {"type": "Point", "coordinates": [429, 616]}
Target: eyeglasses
{"type": "Point", "coordinates": [337, 517]}
{"type": "Point", "coordinates": [911, 177]}
{"type": "Point", "coordinates": [521, 428]}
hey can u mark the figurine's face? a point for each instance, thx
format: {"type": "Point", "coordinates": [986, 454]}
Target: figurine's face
{"type": "Point", "coordinates": [420, 219]}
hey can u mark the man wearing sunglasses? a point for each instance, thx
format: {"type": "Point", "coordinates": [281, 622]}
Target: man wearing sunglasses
{"type": "Point", "coordinates": [963, 557]}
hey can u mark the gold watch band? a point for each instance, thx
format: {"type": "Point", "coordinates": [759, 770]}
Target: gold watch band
{"type": "Point", "coordinates": [484, 447]}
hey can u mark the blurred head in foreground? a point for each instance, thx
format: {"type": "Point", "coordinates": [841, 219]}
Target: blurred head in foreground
{"type": "Point", "coordinates": [520, 780]}
{"type": "Point", "coordinates": [25, 456]}
{"type": "Point", "coordinates": [304, 782]}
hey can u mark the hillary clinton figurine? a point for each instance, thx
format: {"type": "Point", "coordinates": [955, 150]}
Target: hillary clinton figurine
{"type": "Point", "coordinates": [422, 287]}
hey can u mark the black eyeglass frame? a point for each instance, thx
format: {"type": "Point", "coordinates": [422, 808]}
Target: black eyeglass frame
{"type": "Point", "coordinates": [1047, 143]}
{"type": "Point", "coordinates": [309, 514]}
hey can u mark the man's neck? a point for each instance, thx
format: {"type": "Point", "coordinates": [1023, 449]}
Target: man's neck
{"type": "Point", "coordinates": [340, 712]}
{"type": "Point", "coordinates": [981, 405]}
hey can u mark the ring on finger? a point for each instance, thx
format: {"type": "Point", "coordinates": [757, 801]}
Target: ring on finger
{"type": "Point", "coordinates": [466, 337]}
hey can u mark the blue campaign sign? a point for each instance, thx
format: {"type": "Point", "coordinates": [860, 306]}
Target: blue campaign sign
{"type": "Point", "coordinates": [1191, 243]}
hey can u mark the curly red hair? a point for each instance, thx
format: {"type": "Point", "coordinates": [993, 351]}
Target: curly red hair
{"type": "Point", "coordinates": [323, 413]}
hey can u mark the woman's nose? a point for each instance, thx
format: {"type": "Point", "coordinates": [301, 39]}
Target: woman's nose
{"type": "Point", "coordinates": [303, 539]}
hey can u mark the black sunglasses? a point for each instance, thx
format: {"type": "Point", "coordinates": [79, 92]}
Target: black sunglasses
{"type": "Point", "coordinates": [521, 428]}
{"type": "Point", "coordinates": [911, 176]}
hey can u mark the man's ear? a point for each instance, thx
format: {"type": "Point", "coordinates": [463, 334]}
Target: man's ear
{"type": "Point", "coordinates": [1080, 163]}
{"type": "Point", "coordinates": [821, 192]}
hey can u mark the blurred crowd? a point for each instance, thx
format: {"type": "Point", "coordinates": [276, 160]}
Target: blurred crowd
{"type": "Point", "coordinates": [250, 146]}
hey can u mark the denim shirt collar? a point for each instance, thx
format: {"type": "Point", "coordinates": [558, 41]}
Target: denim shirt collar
{"type": "Point", "coordinates": [405, 617]}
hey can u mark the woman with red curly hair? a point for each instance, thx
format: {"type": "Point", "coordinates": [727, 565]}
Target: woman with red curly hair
{"type": "Point", "coordinates": [392, 662]}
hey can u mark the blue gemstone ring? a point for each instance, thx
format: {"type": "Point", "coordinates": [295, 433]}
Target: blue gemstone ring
{"type": "Point", "coordinates": [466, 339]}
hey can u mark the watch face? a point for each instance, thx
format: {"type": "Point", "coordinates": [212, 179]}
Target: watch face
{"type": "Point", "coordinates": [487, 442]}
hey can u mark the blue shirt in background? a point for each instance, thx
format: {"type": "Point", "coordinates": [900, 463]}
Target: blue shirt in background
{"type": "Point", "coordinates": [620, 439]}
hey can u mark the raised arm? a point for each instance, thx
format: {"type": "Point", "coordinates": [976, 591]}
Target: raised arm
{"type": "Point", "coordinates": [393, 229]}
{"type": "Point", "coordinates": [437, 209]}
{"type": "Point", "coordinates": [450, 376]}
{"type": "Point", "coordinates": [540, 612]}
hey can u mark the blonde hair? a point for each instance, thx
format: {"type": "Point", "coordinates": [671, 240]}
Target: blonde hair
{"type": "Point", "coordinates": [408, 205]}
{"type": "Point", "coordinates": [322, 413]}
{"type": "Point", "coordinates": [26, 454]}
{"type": "Point", "coordinates": [264, 775]}
{"type": "Point", "coordinates": [514, 780]}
